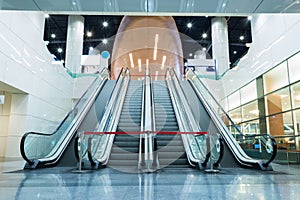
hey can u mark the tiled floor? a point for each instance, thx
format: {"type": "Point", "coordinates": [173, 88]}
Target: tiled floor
{"type": "Point", "coordinates": [67, 183]}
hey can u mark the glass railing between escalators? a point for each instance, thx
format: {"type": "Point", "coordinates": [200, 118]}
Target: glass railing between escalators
{"type": "Point", "coordinates": [95, 146]}
{"type": "Point", "coordinates": [222, 118]}
{"type": "Point", "coordinates": [200, 148]}
{"type": "Point", "coordinates": [36, 145]}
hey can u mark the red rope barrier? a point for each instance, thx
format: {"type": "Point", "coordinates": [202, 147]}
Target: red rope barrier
{"type": "Point", "coordinates": [142, 132]}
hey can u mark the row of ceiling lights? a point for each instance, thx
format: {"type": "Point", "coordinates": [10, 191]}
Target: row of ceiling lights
{"type": "Point", "coordinates": [105, 41]}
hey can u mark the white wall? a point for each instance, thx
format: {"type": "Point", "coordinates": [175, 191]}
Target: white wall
{"type": "Point", "coordinates": [275, 38]}
{"type": "Point", "coordinates": [26, 64]}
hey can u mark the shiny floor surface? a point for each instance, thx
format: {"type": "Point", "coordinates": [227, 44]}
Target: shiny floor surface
{"type": "Point", "coordinates": [68, 183]}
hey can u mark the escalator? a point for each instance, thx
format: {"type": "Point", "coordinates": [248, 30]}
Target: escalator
{"type": "Point", "coordinates": [204, 111]}
{"type": "Point", "coordinates": [57, 148]}
{"type": "Point", "coordinates": [171, 152]}
{"type": "Point", "coordinates": [125, 149]}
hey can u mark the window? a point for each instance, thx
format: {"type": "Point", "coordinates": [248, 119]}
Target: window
{"type": "Point", "coordinates": [276, 78]}
{"type": "Point", "coordinates": [296, 95]}
{"type": "Point", "coordinates": [278, 101]}
{"type": "Point", "coordinates": [250, 111]}
{"type": "Point", "coordinates": [249, 92]}
{"type": "Point", "coordinates": [294, 65]}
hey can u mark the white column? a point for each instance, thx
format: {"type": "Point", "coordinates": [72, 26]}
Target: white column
{"type": "Point", "coordinates": [74, 42]}
{"type": "Point", "coordinates": [220, 47]}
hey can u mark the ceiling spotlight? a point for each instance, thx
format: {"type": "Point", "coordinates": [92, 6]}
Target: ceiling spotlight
{"type": "Point", "coordinates": [89, 34]}
{"type": "Point", "coordinates": [249, 17]}
{"type": "Point", "coordinates": [53, 35]}
{"type": "Point", "coordinates": [59, 50]}
{"type": "Point", "coordinates": [204, 35]}
{"type": "Point", "coordinates": [47, 15]}
{"type": "Point", "coordinates": [189, 25]}
{"type": "Point", "coordinates": [105, 24]}
{"type": "Point", "coordinates": [242, 37]}
{"type": "Point", "coordinates": [190, 54]}
{"type": "Point", "coordinates": [234, 52]}
{"type": "Point", "coordinates": [104, 41]}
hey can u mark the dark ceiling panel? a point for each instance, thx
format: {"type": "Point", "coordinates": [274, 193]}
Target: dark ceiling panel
{"type": "Point", "coordinates": [191, 37]}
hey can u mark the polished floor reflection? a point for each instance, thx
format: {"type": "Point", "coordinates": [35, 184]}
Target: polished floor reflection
{"type": "Point", "coordinates": [68, 183]}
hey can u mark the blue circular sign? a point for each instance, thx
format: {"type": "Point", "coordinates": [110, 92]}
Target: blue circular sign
{"type": "Point", "coordinates": [105, 54]}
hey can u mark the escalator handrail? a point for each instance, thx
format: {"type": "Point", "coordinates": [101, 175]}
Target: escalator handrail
{"type": "Point", "coordinates": [78, 115]}
{"type": "Point", "coordinates": [122, 72]}
{"type": "Point", "coordinates": [238, 152]}
{"type": "Point", "coordinates": [184, 126]}
{"type": "Point", "coordinates": [273, 143]}
{"type": "Point", "coordinates": [112, 114]}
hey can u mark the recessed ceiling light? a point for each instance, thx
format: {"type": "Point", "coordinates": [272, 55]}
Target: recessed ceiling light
{"type": "Point", "coordinates": [104, 41]}
{"type": "Point", "coordinates": [105, 24]}
{"type": "Point", "coordinates": [190, 54]}
{"type": "Point", "coordinates": [242, 37]}
{"type": "Point", "coordinates": [59, 50]}
{"type": "Point", "coordinates": [204, 35]}
{"type": "Point", "coordinates": [89, 34]}
{"type": "Point", "coordinates": [53, 35]}
{"type": "Point", "coordinates": [189, 25]}
{"type": "Point", "coordinates": [234, 52]}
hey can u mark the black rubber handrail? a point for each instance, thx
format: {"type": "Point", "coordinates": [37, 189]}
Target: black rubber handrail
{"type": "Point", "coordinates": [90, 153]}
{"type": "Point", "coordinates": [221, 154]}
{"type": "Point", "coordinates": [273, 143]}
{"type": "Point", "coordinates": [24, 137]}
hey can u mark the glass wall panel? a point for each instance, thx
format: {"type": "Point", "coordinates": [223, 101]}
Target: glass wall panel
{"type": "Point", "coordinates": [236, 115]}
{"type": "Point", "coordinates": [276, 78]}
{"type": "Point", "coordinates": [250, 128]}
{"type": "Point", "coordinates": [297, 120]}
{"type": "Point", "coordinates": [294, 66]}
{"type": "Point", "coordinates": [249, 92]}
{"type": "Point", "coordinates": [234, 100]}
{"type": "Point", "coordinates": [296, 95]}
{"type": "Point", "coordinates": [280, 126]}
{"type": "Point", "coordinates": [278, 101]}
{"type": "Point", "coordinates": [250, 111]}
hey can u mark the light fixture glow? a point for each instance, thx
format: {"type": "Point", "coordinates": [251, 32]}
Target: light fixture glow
{"type": "Point", "coordinates": [189, 25]}
{"type": "Point", "coordinates": [147, 66]}
{"type": "Point", "coordinates": [104, 41]}
{"type": "Point", "coordinates": [131, 60]}
{"type": "Point", "coordinates": [234, 52]}
{"type": "Point", "coordinates": [59, 50]}
{"type": "Point", "coordinates": [53, 35]}
{"type": "Point", "coordinates": [249, 17]}
{"type": "Point", "coordinates": [140, 65]}
{"type": "Point", "coordinates": [155, 47]}
{"type": "Point", "coordinates": [204, 35]}
{"type": "Point", "coordinates": [242, 37]}
{"type": "Point", "coordinates": [89, 34]}
{"type": "Point", "coordinates": [163, 62]}
{"type": "Point", "coordinates": [190, 54]}
{"type": "Point", "coordinates": [47, 15]}
{"type": "Point", "coordinates": [204, 49]}
{"type": "Point", "coordinates": [91, 48]}
{"type": "Point", "coordinates": [105, 24]}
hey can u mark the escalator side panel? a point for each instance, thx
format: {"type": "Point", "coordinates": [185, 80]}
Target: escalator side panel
{"type": "Point", "coordinates": [206, 123]}
{"type": "Point", "coordinates": [89, 123]}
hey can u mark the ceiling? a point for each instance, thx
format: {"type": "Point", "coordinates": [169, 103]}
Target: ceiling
{"type": "Point", "coordinates": [191, 38]}
{"type": "Point", "coordinates": [157, 7]}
